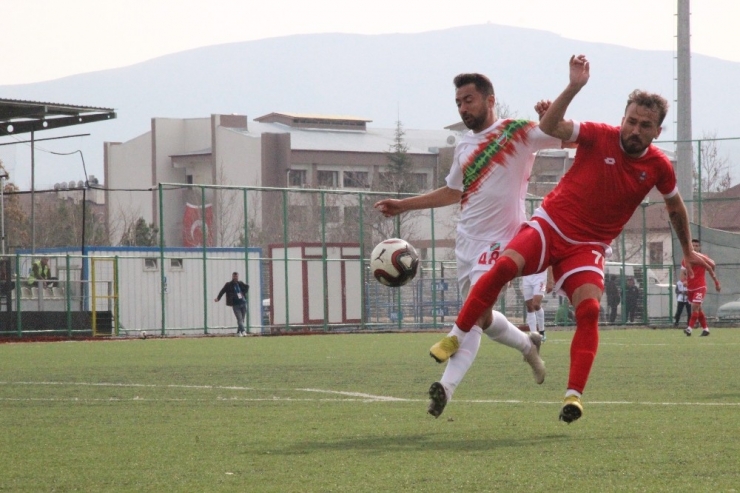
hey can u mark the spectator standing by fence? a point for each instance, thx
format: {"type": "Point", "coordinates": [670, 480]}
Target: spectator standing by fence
{"type": "Point", "coordinates": [682, 299]}
{"type": "Point", "coordinates": [236, 297]}
{"type": "Point", "coordinates": [632, 296]}
{"type": "Point", "coordinates": [613, 298]}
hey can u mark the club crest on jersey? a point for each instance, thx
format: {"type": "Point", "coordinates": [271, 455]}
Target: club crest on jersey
{"type": "Point", "coordinates": [643, 176]}
{"type": "Point", "coordinates": [489, 257]}
{"type": "Point", "coordinates": [610, 161]}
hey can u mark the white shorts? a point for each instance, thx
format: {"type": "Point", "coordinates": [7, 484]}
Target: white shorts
{"type": "Point", "coordinates": [475, 258]}
{"type": "Point", "coordinates": [534, 285]}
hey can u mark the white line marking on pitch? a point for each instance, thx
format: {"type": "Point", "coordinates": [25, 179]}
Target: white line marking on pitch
{"type": "Point", "coordinates": [347, 396]}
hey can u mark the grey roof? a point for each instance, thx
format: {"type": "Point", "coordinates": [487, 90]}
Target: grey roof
{"type": "Point", "coordinates": [370, 140]}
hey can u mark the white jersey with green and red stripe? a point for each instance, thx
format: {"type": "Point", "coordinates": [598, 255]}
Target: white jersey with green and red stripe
{"type": "Point", "coordinates": [492, 169]}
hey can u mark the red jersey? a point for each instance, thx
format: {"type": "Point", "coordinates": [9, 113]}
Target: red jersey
{"type": "Point", "coordinates": [600, 192]}
{"type": "Point", "coordinates": [699, 280]}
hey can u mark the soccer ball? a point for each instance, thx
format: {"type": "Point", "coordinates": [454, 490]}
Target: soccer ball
{"type": "Point", "coordinates": [394, 262]}
{"type": "Point", "coordinates": [143, 334]}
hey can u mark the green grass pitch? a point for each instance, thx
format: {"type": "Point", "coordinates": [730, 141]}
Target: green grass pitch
{"type": "Point", "coordinates": [347, 413]}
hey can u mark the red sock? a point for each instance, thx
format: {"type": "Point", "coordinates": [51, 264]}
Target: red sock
{"type": "Point", "coordinates": [585, 344]}
{"type": "Point", "coordinates": [703, 321]}
{"type": "Point", "coordinates": [485, 292]}
{"type": "Point", "coordinates": [692, 320]}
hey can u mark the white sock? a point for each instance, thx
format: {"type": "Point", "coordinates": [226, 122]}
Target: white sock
{"type": "Point", "coordinates": [503, 331]}
{"type": "Point", "coordinates": [460, 362]}
{"type": "Point", "coordinates": [532, 321]}
{"type": "Point", "coordinates": [570, 392]}
{"type": "Point", "coordinates": [456, 331]}
{"type": "Point", "coordinates": [540, 319]}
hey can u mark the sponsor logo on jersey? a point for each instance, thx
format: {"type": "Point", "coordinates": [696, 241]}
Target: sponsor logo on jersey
{"type": "Point", "coordinates": [610, 161]}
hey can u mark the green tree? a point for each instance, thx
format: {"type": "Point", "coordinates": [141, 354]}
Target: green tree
{"type": "Point", "coordinates": [399, 177]}
{"type": "Point", "coordinates": [17, 224]}
{"type": "Point", "coordinates": [140, 233]}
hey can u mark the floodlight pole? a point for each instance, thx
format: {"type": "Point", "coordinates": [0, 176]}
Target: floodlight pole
{"type": "Point", "coordinates": [3, 177]}
{"type": "Point", "coordinates": [33, 196]}
{"type": "Point", "coordinates": [684, 147]}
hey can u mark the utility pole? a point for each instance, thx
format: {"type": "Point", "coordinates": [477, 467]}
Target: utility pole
{"type": "Point", "coordinates": [684, 147]}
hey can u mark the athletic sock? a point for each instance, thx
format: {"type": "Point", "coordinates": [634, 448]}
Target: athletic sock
{"type": "Point", "coordinates": [485, 292]}
{"type": "Point", "coordinates": [540, 319]}
{"type": "Point", "coordinates": [532, 321]}
{"type": "Point", "coordinates": [504, 332]}
{"type": "Point", "coordinates": [703, 321]}
{"type": "Point", "coordinates": [585, 344]}
{"type": "Point", "coordinates": [693, 319]}
{"type": "Point", "coordinates": [457, 333]}
{"type": "Point", "coordinates": [460, 362]}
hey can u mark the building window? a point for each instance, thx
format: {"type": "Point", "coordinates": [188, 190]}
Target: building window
{"type": "Point", "coordinates": [352, 214]}
{"type": "Point", "coordinates": [329, 179]}
{"type": "Point", "coordinates": [150, 264]}
{"type": "Point", "coordinates": [331, 214]}
{"type": "Point", "coordinates": [387, 181]}
{"type": "Point", "coordinates": [420, 181]}
{"type": "Point", "coordinates": [190, 179]}
{"type": "Point", "coordinates": [356, 179]}
{"type": "Point", "coordinates": [656, 252]}
{"type": "Point", "coordinates": [296, 177]}
{"type": "Point", "coordinates": [547, 178]}
{"type": "Point", "coordinates": [299, 214]}
{"type": "Point", "coordinates": [176, 263]}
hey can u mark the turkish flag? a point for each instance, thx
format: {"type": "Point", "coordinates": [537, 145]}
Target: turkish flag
{"type": "Point", "coordinates": [193, 225]}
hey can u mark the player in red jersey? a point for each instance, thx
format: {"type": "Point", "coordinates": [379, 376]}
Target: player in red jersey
{"type": "Point", "coordinates": [697, 287]}
{"type": "Point", "coordinates": [613, 171]}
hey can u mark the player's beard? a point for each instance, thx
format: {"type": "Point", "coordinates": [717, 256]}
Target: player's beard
{"type": "Point", "coordinates": [475, 122]}
{"type": "Point", "coordinates": [633, 145]}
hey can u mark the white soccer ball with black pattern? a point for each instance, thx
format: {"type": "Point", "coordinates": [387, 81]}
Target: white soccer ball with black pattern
{"type": "Point", "coordinates": [394, 262]}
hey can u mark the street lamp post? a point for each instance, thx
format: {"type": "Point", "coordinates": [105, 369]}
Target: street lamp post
{"type": "Point", "coordinates": [3, 177]}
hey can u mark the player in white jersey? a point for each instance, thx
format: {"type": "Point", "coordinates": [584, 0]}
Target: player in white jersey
{"type": "Point", "coordinates": [534, 288]}
{"type": "Point", "coordinates": [488, 178]}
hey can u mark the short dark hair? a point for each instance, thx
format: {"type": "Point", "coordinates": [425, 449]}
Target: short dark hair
{"type": "Point", "coordinates": [649, 100]}
{"type": "Point", "coordinates": [695, 240]}
{"type": "Point", "coordinates": [482, 83]}
{"type": "Point", "coordinates": [234, 273]}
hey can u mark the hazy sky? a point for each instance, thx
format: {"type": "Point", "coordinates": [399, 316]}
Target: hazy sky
{"type": "Point", "coordinates": [48, 39]}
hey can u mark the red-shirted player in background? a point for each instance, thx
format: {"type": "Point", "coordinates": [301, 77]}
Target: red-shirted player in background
{"type": "Point", "coordinates": [613, 171]}
{"type": "Point", "coordinates": [697, 286]}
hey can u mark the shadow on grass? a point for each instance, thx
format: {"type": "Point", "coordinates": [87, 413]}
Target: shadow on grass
{"type": "Point", "coordinates": [426, 442]}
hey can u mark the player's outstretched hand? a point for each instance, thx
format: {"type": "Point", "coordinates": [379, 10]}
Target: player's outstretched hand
{"type": "Point", "coordinates": [389, 207]}
{"type": "Point", "coordinates": [579, 70]}
{"type": "Point", "coordinates": [696, 258]}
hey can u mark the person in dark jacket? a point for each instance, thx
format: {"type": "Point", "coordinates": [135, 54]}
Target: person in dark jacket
{"type": "Point", "coordinates": [632, 293]}
{"type": "Point", "coordinates": [613, 298]}
{"type": "Point", "coordinates": [236, 298]}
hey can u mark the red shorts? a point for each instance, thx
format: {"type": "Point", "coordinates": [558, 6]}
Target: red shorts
{"type": "Point", "coordinates": [542, 246]}
{"type": "Point", "coordinates": [697, 295]}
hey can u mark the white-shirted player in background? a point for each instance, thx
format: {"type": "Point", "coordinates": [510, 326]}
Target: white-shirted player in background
{"type": "Point", "coordinates": [534, 288]}
{"type": "Point", "coordinates": [488, 178]}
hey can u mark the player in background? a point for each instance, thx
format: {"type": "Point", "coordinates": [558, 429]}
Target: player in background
{"type": "Point", "coordinates": [682, 299]}
{"type": "Point", "coordinates": [613, 170]}
{"type": "Point", "coordinates": [488, 178]}
{"type": "Point", "coordinates": [697, 290]}
{"type": "Point", "coordinates": [534, 288]}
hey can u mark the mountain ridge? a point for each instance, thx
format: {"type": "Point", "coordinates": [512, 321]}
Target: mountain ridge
{"type": "Point", "coordinates": [384, 78]}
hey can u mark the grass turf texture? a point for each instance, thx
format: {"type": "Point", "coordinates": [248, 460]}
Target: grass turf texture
{"type": "Point", "coordinates": [348, 413]}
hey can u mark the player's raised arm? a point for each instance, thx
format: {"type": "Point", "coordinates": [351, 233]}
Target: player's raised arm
{"type": "Point", "coordinates": [553, 122]}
